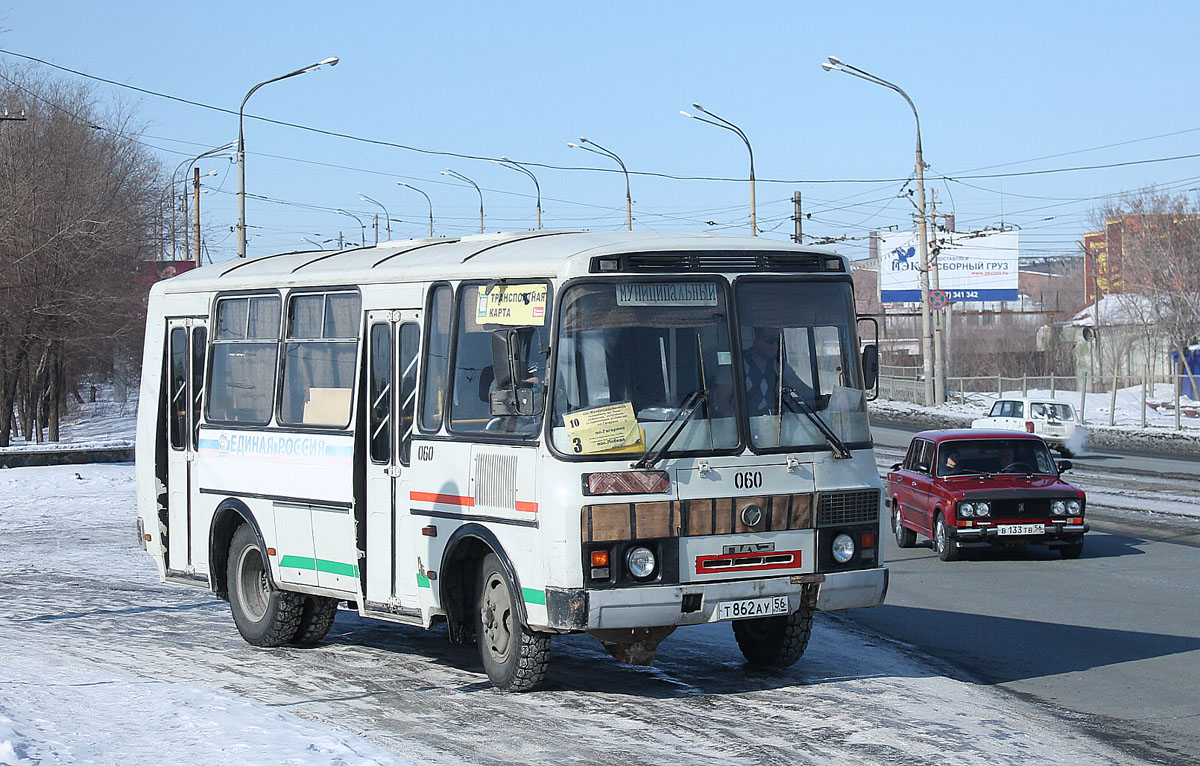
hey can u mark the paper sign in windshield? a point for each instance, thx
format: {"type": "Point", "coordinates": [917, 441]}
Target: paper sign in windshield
{"type": "Point", "coordinates": [602, 429]}
{"type": "Point", "coordinates": [522, 305]}
{"type": "Point", "coordinates": [667, 294]}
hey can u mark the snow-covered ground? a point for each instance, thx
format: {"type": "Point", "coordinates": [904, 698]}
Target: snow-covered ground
{"type": "Point", "coordinates": [102, 423]}
{"type": "Point", "coordinates": [101, 663]}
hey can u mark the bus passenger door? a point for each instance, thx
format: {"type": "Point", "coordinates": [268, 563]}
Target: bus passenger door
{"type": "Point", "coordinates": [186, 339]}
{"type": "Point", "coordinates": [393, 338]}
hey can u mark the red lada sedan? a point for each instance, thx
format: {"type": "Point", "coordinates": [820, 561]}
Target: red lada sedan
{"type": "Point", "coordinates": [970, 487]}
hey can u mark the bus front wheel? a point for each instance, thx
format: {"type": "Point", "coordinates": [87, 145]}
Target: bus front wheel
{"type": "Point", "coordinates": [774, 642]}
{"type": "Point", "coordinates": [264, 615]}
{"type": "Point", "coordinates": [514, 657]}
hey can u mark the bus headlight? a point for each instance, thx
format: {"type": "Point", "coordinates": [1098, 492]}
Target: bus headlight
{"type": "Point", "coordinates": [966, 510]}
{"type": "Point", "coordinates": [842, 548]}
{"type": "Point", "coordinates": [1058, 508]}
{"type": "Point", "coordinates": [641, 562]}
{"type": "Point", "coordinates": [1074, 508]}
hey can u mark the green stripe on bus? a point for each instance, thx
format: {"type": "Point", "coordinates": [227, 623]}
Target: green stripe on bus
{"type": "Point", "coordinates": [422, 581]}
{"type": "Point", "coordinates": [534, 596]}
{"type": "Point", "coordinates": [319, 565]}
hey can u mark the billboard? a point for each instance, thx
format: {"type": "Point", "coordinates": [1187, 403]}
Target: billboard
{"type": "Point", "coordinates": [970, 267]}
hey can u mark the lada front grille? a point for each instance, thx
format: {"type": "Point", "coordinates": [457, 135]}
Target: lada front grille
{"type": "Point", "coordinates": [1022, 509]}
{"type": "Point", "coordinates": [835, 509]}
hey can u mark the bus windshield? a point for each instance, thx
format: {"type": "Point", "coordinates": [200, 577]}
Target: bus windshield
{"type": "Point", "coordinates": [800, 363]}
{"type": "Point", "coordinates": [638, 358]}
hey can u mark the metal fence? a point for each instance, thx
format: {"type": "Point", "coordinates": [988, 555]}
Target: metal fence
{"type": "Point", "coordinates": [1156, 397]}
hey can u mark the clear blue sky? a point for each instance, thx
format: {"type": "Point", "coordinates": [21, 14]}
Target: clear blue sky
{"type": "Point", "coordinates": [1012, 87]}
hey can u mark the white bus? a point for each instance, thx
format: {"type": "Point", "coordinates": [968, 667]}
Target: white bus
{"type": "Point", "coordinates": [518, 435]}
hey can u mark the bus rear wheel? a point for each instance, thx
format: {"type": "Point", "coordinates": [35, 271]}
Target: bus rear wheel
{"type": "Point", "coordinates": [315, 620]}
{"type": "Point", "coordinates": [264, 615]}
{"type": "Point", "coordinates": [514, 657]}
{"type": "Point", "coordinates": [774, 642]}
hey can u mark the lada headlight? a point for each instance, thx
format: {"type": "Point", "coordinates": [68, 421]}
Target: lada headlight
{"type": "Point", "coordinates": [1074, 507]}
{"type": "Point", "coordinates": [983, 509]}
{"type": "Point", "coordinates": [1058, 508]}
{"type": "Point", "coordinates": [966, 510]}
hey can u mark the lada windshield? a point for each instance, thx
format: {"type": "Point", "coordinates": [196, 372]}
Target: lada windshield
{"type": "Point", "coordinates": [636, 358]}
{"type": "Point", "coordinates": [799, 363]}
{"type": "Point", "coordinates": [973, 457]}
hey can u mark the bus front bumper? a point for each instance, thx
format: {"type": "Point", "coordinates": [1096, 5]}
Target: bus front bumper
{"type": "Point", "coordinates": [574, 609]}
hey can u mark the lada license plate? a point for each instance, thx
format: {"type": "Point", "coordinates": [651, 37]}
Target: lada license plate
{"type": "Point", "coordinates": [751, 607]}
{"type": "Point", "coordinates": [1021, 529]}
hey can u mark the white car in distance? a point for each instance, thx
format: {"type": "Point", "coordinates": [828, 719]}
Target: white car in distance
{"type": "Point", "coordinates": [1056, 422]}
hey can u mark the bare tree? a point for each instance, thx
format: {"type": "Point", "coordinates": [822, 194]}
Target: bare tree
{"type": "Point", "coordinates": [1160, 246]}
{"type": "Point", "coordinates": [79, 203]}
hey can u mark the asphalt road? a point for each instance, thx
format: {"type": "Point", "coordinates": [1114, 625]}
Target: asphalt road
{"type": "Point", "coordinates": [1113, 636]}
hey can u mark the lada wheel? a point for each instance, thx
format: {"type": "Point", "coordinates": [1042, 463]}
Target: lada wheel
{"type": "Point", "coordinates": [905, 537]}
{"type": "Point", "coordinates": [264, 615]}
{"type": "Point", "coordinates": [942, 542]}
{"type": "Point", "coordinates": [774, 642]}
{"type": "Point", "coordinates": [514, 657]}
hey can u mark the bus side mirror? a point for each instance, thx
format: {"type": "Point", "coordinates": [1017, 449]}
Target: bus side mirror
{"type": "Point", "coordinates": [870, 366]}
{"type": "Point", "coordinates": [513, 395]}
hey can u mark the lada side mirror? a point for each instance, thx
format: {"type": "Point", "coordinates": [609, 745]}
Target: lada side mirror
{"type": "Point", "coordinates": [896, 466]}
{"type": "Point", "coordinates": [1064, 465]}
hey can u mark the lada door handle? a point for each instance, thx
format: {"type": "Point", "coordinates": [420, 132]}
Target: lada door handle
{"type": "Point", "coordinates": [914, 484]}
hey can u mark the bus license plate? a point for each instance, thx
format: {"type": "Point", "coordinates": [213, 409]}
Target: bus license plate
{"type": "Point", "coordinates": [1021, 529]}
{"type": "Point", "coordinates": [751, 607]}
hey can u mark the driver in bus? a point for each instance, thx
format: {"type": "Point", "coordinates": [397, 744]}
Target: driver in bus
{"type": "Point", "coordinates": [762, 366]}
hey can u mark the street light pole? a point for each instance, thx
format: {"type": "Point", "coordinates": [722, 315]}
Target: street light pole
{"type": "Point", "coordinates": [190, 162]}
{"type": "Point", "coordinates": [598, 149]}
{"type": "Point", "coordinates": [241, 146]}
{"type": "Point", "coordinates": [505, 162]}
{"type": "Point", "coordinates": [721, 122]}
{"type": "Point", "coordinates": [361, 226]}
{"type": "Point", "coordinates": [426, 196]}
{"type": "Point", "coordinates": [387, 219]}
{"type": "Point", "coordinates": [461, 177]}
{"type": "Point", "coordinates": [934, 371]}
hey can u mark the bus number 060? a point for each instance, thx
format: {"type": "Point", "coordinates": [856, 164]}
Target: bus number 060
{"type": "Point", "coordinates": [748, 479]}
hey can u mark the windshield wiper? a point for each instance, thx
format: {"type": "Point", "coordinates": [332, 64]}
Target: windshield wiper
{"type": "Point", "coordinates": [797, 404]}
{"type": "Point", "coordinates": [684, 416]}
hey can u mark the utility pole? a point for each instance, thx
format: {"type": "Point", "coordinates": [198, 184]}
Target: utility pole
{"type": "Point", "coordinates": [939, 315]}
{"type": "Point", "coordinates": [196, 230]}
{"type": "Point", "coordinates": [376, 229]}
{"type": "Point", "coordinates": [799, 216]}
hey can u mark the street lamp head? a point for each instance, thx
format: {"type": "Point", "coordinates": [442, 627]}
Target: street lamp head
{"type": "Point", "coordinates": [827, 66]}
{"type": "Point", "coordinates": [573, 145]}
{"type": "Point", "coordinates": [582, 140]}
{"type": "Point", "coordinates": [687, 114]}
{"type": "Point", "coordinates": [835, 60]}
{"type": "Point", "coordinates": [697, 106]}
{"type": "Point", "coordinates": [331, 61]}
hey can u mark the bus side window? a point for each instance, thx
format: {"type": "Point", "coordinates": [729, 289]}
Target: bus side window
{"type": "Point", "coordinates": [179, 398]}
{"type": "Point", "coordinates": [318, 366]}
{"type": "Point", "coordinates": [199, 338]}
{"type": "Point", "coordinates": [410, 338]}
{"type": "Point", "coordinates": [437, 359]}
{"type": "Point", "coordinates": [245, 351]}
{"type": "Point", "coordinates": [380, 409]}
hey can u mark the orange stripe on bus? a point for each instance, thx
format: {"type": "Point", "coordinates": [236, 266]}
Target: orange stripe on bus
{"type": "Point", "coordinates": [526, 506]}
{"type": "Point", "coordinates": [435, 497]}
